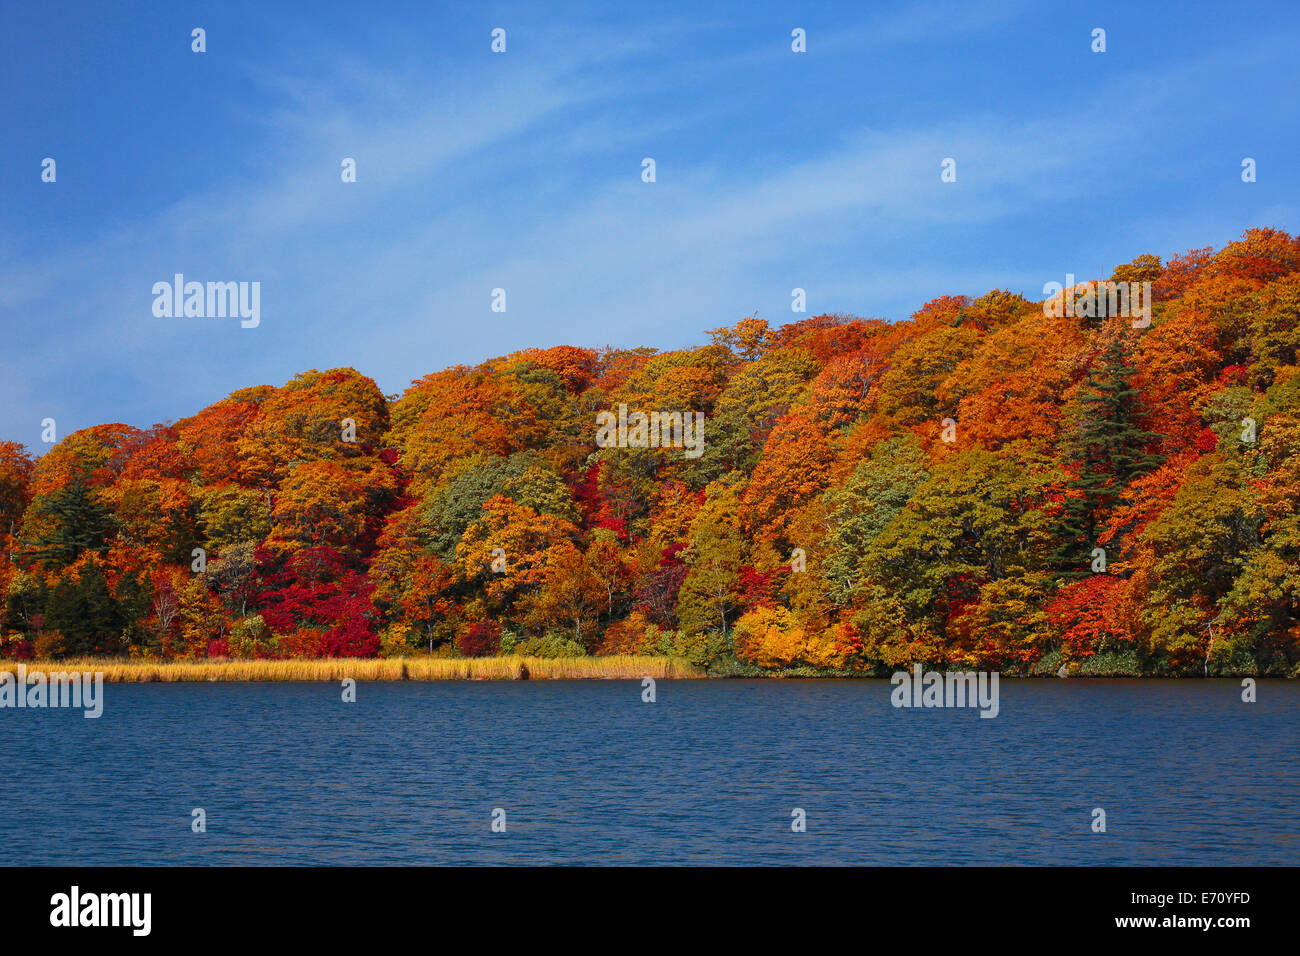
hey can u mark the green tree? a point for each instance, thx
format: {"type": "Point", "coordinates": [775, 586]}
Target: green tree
{"type": "Point", "coordinates": [978, 518]}
{"type": "Point", "coordinates": [135, 598]}
{"type": "Point", "coordinates": [230, 514]}
{"type": "Point", "coordinates": [525, 478]}
{"type": "Point", "coordinates": [710, 591]}
{"type": "Point", "coordinates": [84, 612]}
{"type": "Point", "coordinates": [729, 446]}
{"type": "Point", "coordinates": [861, 508]}
{"type": "Point", "coordinates": [71, 520]}
{"type": "Point", "coordinates": [1108, 451]}
{"type": "Point", "coordinates": [25, 602]}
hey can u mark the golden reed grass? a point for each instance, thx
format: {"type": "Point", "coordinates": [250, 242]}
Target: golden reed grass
{"type": "Point", "coordinates": [625, 667]}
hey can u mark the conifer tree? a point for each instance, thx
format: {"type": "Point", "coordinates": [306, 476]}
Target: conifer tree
{"type": "Point", "coordinates": [83, 610]}
{"type": "Point", "coordinates": [1109, 450]}
{"type": "Point", "coordinates": [76, 522]}
{"type": "Point", "coordinates": [134, 598]}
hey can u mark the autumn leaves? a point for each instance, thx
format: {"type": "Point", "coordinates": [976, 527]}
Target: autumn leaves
{"type": "Point", "coordinates": [945, 483]}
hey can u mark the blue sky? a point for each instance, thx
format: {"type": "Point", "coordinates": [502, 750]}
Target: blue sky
{"type": "Point", "coordinates": [522, 171]}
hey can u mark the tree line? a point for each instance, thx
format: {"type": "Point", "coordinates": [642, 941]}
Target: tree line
{"type": "Point", "coordinates": [986, 484]}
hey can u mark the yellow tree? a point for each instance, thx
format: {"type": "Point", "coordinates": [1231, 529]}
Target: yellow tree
{"type": "Point", "coordinates": [508, 550]}
{"type": "Point", "coordinates": [318, 416]}
{"type": "Point", "coordinates": [319, 503]}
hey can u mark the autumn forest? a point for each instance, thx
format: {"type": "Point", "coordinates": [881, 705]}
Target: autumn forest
{"type": "Point", "coordinates": [983, 485]}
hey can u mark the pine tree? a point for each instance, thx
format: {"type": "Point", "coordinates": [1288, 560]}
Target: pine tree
{"type": "Point", "coordinates": [104, 621]}
{"type": "Point", "coordinates": [134, 597]}
{"type": "Point", "coordinates": [78, 522]}
{"type": "Point", "coordinates": [64, 612]}
{"type": "Point", "coordinates": [1109, 451]}
{"type": "Point", "coordinates": [85, 613]}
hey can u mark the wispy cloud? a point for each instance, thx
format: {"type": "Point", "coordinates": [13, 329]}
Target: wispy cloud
{"type": "Point", "coordinates": [523, 172]}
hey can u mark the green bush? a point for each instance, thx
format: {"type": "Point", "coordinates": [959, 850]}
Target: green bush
{"type": "Point", "coordinates": [1048, 664]}
{"type": "Point", "coordinates": [1232, 656]}
{"type": "Point", "coordinates": [701, 649]}
{"type": "Point", "coordinates": [553, 644]}
{"type": "Point", "coordinates": [250, 638]}
{"type": "Point", "coordinates": [1110, 664]}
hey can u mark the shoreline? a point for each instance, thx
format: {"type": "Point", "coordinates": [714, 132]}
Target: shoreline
{"type": "Point", "coordinates": [373, 669]}
{"type": "Point", "coordinates": [508, 667]}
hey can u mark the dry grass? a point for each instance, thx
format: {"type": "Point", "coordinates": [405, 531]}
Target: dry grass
{"type": "Point", "coordinates": [394, 668]}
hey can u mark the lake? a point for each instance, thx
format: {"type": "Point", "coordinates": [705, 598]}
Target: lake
{"type": "Point", "coordinates": [708, 774]}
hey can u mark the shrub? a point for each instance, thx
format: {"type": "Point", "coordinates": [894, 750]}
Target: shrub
{"type": "Point", "coordinates": [304, 642]}
{"type": "Point", "coordinates": [480, 639]}
{"type": "Point", "coordinates": [1111, 664]}
{"type": "Point", "coordinates": [50, 645]}
{"type": "Point", "coordinates": [1233, 655]}
{"type": "Point", "coordinates": [700, 649]}
{"type": "Point", "coordinates": [553, 644]}
{"type": "Point", "coordinates": [249, 638]}
{"type": "Point", "coordinates": [772, 638]}
{"type": "Point", "coordinates": [16, 647]}
{"type": "Point", "coordinates": [627, 636]}
{"type": "Point", "coordinates": [398, 640]}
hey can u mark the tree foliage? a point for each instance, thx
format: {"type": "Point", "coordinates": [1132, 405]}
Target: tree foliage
{"type": "Point", "coordinates": [868, 494]}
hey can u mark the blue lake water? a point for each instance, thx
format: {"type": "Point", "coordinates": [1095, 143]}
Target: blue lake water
{"type": "Point", "coordinates": [708, 774]}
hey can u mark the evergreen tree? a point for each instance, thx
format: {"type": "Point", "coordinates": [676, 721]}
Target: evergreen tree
{"type": "Point", "coordinates": [1109, 451]}
{"type": "Point", "coordinates": [134, 598]}
{"type": "Point", "coordinates": [85, 613]}
{"type": "Point", "coordinates": [77, 522]}
{"type": "Point", "coordinates": [104, 621]}
{"type": "Point", "coordinates": [64, 612]}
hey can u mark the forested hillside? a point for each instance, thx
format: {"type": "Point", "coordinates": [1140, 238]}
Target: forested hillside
{"type": "Point", "coordinates": [984, 484]}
